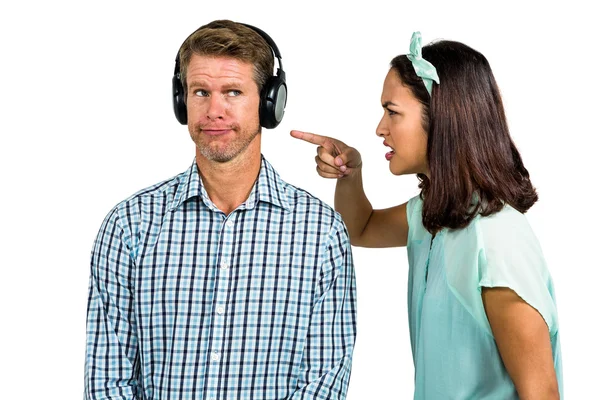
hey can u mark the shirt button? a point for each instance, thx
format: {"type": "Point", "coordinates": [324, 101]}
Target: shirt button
{"type": "Point", "coordinates": [220, 310]}
{"type": "Point", "coordinates": [224, 265]}
{"type": "Point", "coordinates": [214, 356]}
{"type": "Point", "coordinates": [229, 223]}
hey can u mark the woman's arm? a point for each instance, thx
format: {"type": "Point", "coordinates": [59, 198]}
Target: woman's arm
{"type": "Point", "coordinates": [524, 342]}
{"type": "Point", "coordinates": [366, 227]}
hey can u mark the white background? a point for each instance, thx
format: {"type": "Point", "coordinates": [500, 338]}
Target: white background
{"type": "Point", "coordinates": [86, 120]}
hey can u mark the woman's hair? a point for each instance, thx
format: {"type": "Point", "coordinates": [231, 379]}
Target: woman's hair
{"type": "Point", "coordinates": [475, 168]}
{"type": "Point", "coordinates": [224, 38]}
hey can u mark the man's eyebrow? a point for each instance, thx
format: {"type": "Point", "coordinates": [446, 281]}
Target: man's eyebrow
{"type": "Point", "coordinates": [229, 83]}
{"type": "Point", "coordinates": [196, 83]}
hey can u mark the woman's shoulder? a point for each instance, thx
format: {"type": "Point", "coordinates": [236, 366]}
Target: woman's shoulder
{"type": "Point", "coordinates": [414, 216]}
{"type": "Point", "coordinates": [508, 215]}
{"type": "Point", "coordinates": [500, 250]}
{"type": "Point", "coordinates": [502, 238]}
{"type": "Point", "coordinates": [507, 230]}
{"type": "Point", "coordinates": [498, 246]}
{"type": "Point", "coordinates": [414, 206]}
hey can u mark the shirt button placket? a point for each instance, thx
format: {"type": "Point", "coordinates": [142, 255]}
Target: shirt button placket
{"type": "Point", "coordinates": [218, 345]}
{"type": "Point", "coordinates": [224, 265]}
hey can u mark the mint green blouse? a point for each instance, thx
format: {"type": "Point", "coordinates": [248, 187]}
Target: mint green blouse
{"type": "Point", "coordinates": [453, 348]}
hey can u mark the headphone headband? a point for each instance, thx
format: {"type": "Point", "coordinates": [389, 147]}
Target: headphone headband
{"type": "Point", "coordinates": [269, 41]}
{"type": "Point", "coordinates": [273, 96]}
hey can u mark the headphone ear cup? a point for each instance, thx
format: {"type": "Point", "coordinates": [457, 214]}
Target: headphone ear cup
{"type": "Point", "coordinates": [179, 106]}
{"type": "Point", "coordinates": [272, 102]}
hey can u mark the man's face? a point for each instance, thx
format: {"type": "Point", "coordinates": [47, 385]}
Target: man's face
{"type": "Point", "coordinates": [222, 106]}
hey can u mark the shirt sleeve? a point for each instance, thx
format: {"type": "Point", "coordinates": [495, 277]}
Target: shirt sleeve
{"type": "Point", "coordinates": [512, 258]}
{"type": "Point", "coordinates": [111, 363]}
{"type": "Point", "coordinates": [414, 209]}
{"type": "Point", "coordinates": [327, 357]}
{"type": "Point", "coordinates": [499, 250]}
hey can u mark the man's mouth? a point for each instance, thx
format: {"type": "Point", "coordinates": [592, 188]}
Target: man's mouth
{"type": "Point", "coordinates": [215, 131]}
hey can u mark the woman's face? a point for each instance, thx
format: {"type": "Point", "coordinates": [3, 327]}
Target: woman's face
{"type": "Point", "coordinates": [401, 127]}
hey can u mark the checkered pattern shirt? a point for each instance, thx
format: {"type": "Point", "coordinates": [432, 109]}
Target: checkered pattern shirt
{"type": "Point", "coordinates": [186, 302]}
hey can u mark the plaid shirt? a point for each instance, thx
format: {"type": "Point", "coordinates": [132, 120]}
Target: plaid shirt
{"type": "Point", "coordinates": [186, 302]}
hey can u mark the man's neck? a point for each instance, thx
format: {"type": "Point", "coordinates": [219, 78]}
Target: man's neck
{"type": "Point", "coordinates": [229, 184]}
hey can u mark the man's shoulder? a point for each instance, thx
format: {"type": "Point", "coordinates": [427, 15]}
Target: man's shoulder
{"type": "Point", "coordinates": [293, 198]}
{"type": "Point", "coordinates": [304, 202]}
{"type": "Point", "coordinates": [298, 196]}
{"type": "Point", "coordinates": [157, 196]}
{"type": "Point", "coordinates": [160, 191]}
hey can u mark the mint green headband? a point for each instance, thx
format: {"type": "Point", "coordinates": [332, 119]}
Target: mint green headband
{"type": "Point", "coordinates": [422, 67]}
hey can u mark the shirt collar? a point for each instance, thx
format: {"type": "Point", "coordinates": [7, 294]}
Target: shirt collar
{"type": "Point", "coordinates": [269, 188]}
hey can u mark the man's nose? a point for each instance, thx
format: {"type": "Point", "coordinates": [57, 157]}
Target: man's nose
{"type": "Point", "coordinates": [216, 107]}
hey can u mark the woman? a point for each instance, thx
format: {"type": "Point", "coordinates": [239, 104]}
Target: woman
{"type": "Point", "coordinates": [482, 314]}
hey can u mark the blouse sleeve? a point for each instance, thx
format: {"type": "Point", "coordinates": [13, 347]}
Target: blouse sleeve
{"type": "Point", "coordinates": [512, 258]}
{"type": "Point", "coordinates": [500, 250]}
{"type": "Point", "coordinates": [414, 209]}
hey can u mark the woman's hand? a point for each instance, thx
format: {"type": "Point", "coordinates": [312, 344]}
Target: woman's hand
{"type": "Point", "coordinates": [334, 158]}
{"type": "Point", "coordinates": [367, 227]}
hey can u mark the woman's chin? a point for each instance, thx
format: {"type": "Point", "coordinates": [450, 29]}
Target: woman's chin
{"type": "Point", "coordinates": [395, 170]}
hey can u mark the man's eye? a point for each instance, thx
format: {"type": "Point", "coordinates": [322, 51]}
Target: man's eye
{"type": "Point", "coordinates": [234, 93]}
{"type": "Point", "coordinates": [201, 93]}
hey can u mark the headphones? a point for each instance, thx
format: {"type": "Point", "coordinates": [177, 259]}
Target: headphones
{"type": "Point", "coordinates": [273, 96]}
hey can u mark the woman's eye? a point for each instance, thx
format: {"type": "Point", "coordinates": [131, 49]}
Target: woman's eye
{"type": "Point", "coordinates": [390, 112]}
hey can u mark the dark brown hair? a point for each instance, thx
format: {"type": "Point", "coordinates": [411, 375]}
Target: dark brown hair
{"type": "Point", "coordinates": [475, 167]}
{"type": "Point", "coordinates": [224, 38]}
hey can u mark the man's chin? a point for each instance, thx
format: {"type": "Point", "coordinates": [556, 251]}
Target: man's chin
{"type": "Point", "coordinates": [224, 151]}
{"type": "Point", "coordinates": [222, 159]}
{"type": "Point", "coordinates": [217, 156]}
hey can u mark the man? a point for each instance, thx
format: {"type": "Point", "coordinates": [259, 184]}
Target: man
{"type": "Point", "coordinates": [224, 282]}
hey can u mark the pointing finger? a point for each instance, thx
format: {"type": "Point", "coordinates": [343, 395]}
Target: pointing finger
{"type": "Point", "coordinates": [313, 138]}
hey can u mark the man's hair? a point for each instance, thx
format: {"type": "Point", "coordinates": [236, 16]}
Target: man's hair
{"type": "Point", "coordinates": [474, 165]}
{"type": "Point", "coordinates": [224, 38]}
